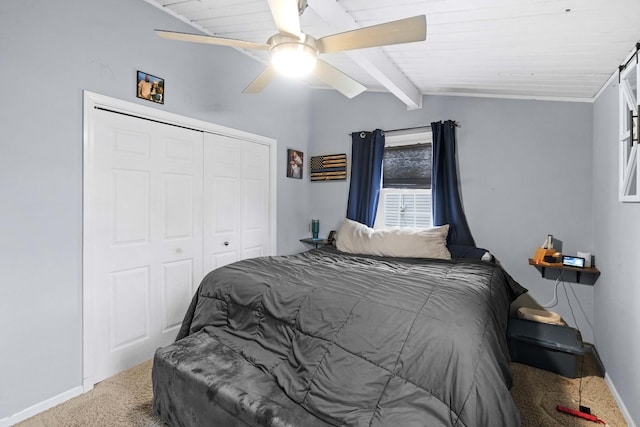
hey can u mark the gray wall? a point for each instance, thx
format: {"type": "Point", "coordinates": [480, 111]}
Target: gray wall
{"type": "Point", "coordinates": [616, 234]}
{"type": "Point", "coordinates": [49, 53]}
{"type": "Point", "coordinates": [524, 166]}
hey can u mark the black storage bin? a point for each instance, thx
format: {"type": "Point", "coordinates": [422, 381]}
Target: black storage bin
{"type": "Point", "coordinates": [551, 347]}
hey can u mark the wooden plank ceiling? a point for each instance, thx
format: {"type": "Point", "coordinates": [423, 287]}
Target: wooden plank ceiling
{"type": "Point", "coordinates": [535, 49]}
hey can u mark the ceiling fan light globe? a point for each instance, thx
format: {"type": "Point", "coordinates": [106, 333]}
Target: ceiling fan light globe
{"type": "Point", "coordinates": [294, 59]}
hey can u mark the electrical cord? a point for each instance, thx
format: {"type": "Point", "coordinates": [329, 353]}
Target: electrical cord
{"type": "Point", "coordinates": [554, 301]}
{"type": "Point", "coordinates": [585, 316]}
{"type": "Point", "coordinates": [575, 322]}
{"type": "Point", "coordinates": [583, 412]}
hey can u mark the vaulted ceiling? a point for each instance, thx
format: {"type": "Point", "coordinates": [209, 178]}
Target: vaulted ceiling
{"type": "Point", "coordinates": [533, 49]}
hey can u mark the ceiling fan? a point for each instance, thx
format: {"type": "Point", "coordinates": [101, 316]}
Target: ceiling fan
{"type": "Point", "coordinates": [295, 53]}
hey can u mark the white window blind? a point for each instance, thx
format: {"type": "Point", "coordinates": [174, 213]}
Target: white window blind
{"type": "Point", "coordinates": [405, 208]}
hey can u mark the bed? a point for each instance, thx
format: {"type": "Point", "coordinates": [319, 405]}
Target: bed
{"type": "Point", "coordinates": [327, 337]}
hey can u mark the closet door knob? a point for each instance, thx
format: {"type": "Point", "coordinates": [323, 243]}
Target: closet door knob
{"type": "Point", "coordinates": [226, 243]}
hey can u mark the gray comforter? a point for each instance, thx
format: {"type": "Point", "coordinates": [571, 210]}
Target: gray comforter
{"type": "Point", "coordinates": [362, 341]}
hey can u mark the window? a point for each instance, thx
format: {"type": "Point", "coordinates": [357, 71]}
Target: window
{"type": "Point", "coordinates": [405, 197]}
{"type": "Point", "coordinates": [629, 175]}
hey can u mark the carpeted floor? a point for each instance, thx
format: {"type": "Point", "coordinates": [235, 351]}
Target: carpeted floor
{"type": "Point", "coordinates": [538, 392]}
{"type": "Point", "coordinates": [125, 400]}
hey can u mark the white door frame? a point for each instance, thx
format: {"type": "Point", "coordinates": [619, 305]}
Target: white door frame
{"type": "Point", "coordinates": [91, 102]}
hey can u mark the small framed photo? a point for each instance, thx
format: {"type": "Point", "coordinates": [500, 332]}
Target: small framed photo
{"type": "Point", "coordinates": [295, 160]}
{"type": "Point", "coordinates": [150, 87]}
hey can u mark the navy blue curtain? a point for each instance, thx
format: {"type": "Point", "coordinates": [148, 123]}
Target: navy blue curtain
{"type": "Point", "coordinates": [367, 149]}
{"type": "Point", "coordinates": [446, 203]}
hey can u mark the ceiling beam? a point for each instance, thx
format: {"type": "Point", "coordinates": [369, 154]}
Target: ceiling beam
{"type": "Point", "coordinates": [374, 61]}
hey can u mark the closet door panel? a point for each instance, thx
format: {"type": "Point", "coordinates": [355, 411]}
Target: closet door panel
{"type": "Point", "coordinates": [236, 210]}
{"type": "Point", "coordinates": [255, 201]}
{"type": "Point", "coordinates": [129, 320]}
{"type": "Point", "coordinates": [176, 290]}
{"type": "Point", "coordinates": [145, 222]}
{"type": "Point", "coordinates": [254, 219]}
{"type": "Point", "coordinates": [178, 233]}
{"type": "Point", "coordinates": [223, 241]}
{"type": "Point", "coordinates": [222, 200]}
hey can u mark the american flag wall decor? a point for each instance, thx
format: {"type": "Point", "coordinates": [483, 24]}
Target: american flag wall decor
{"type": "Point", "coordinates": [332, 167]}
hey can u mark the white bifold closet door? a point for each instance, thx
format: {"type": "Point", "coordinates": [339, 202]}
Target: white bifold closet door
{"type": "Point", "coordinates": [147, 236]}
{"type": "Point", "coordinates": [236, 200]}
{"type": "Point", "coordinates": [166, 205]}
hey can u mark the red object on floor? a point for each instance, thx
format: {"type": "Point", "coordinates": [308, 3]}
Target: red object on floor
{"type": "Point", "coordinates": [580, 414]}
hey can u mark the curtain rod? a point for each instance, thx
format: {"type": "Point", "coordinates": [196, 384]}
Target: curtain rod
{"type": "Point", "coordinates": [406, 129]}
{"type": "Point", "coordinates": [398, 130]}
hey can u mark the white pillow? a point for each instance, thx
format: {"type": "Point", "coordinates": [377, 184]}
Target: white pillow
{"type": "Point", "coordinates": [357, 238]}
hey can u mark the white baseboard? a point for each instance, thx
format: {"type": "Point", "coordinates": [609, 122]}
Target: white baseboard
{"type": "Point", "coordinates": [614, 392]}
{"type": "Point", "coordinates": [40, 407]}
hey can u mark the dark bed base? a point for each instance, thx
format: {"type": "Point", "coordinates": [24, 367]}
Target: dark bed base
{"type": "Point", "coordinates": [199, 381]}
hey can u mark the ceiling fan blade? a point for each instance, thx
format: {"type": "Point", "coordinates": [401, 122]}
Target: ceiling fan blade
{"type": "Point", "coordinates": [395, 32]}
{"type": "Point", "coordinates": [285, 13]}
{"type": "Point", "coordinates": [261, 81]}
{"type": "Point", "coordinates": [338, 80]}
{"type": "Point", "coordinates": [185, 37]}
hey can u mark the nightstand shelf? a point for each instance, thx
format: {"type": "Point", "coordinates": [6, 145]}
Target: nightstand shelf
{"type": "Point", "coordinates": [578, 270]}
{"type": "Point", "coordinates": [315, 242]}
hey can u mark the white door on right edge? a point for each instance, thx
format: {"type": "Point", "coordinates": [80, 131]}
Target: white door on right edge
{"type": "Point", "coordinates": [236, 200]}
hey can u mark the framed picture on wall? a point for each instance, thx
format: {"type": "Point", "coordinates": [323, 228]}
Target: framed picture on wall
{"type": "Point", "coordinates": [150, 87]}
{"type": "Point", "coordinates": [295, 161]}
